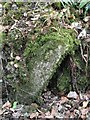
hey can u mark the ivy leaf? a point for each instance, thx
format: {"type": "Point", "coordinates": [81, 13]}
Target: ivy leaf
{"type": "Point", "coordinates": [14, 105]}
{"type": "Point", "coordinates": [87, 7]}
{"type": "Point", "coordinates": [83, 3]}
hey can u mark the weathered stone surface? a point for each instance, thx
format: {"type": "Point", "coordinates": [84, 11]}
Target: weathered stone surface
{"type": "Point", "coordinates": [43, 56]}
{"type": "Point", "coordinates": [41, 69]}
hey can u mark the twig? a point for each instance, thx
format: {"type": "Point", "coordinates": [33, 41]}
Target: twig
{"type": "Point", "coordinates": [87, 62]}
{"type": "Point", "coordinates": [82, 53]}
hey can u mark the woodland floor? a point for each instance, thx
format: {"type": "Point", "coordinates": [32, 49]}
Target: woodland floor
{"type": "Point", "coordinates": [54, 106]}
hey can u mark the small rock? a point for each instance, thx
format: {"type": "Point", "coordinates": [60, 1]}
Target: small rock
{"type": "Point", "coordinates": [14, 7]}
{"type": "Point", "coordinates": [72, 94]}
{"type": "Point", "coordinates": [17, 58]}
{"type": "Point", "coordinates": [25, 14]}
{"type": "Point", "coordinates": [16, 114]}
{"type": "Point", "coordinates": [16, 65]}
{"type": "Point", "coordinates": [60, 108]}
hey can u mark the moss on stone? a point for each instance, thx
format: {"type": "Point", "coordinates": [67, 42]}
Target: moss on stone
{"type": "Point", "coordinates": [63, 36]}
{"type": "Point", "coordinates": [44, 56]}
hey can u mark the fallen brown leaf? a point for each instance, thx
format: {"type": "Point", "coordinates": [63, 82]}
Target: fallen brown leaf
{"type": "Point", "coordinates": [34, 115]}
{"type": "Point", "coordinates": [53, 111]}
{"type": "Point", "coordinates": [7, 105]}
{"type": "Point", "coordinates": [63, 99]}
{"type": "Point", "coordinates": [49, 117]}
{"type": "Point", "coordinates": [84, 111]}
{"type": "Point", "coordinates": [67, 115]}
{"type": "Point", "coordinates": [85, 103]}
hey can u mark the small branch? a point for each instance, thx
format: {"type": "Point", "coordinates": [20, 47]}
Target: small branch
{"type": "Point", "coordinates": [82, 53]}
{"type": "Point", "coordinates": [87, 61]}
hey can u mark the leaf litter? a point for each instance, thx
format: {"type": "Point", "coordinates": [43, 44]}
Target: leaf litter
{"type": "Point", "coordinates": [53, 107]}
